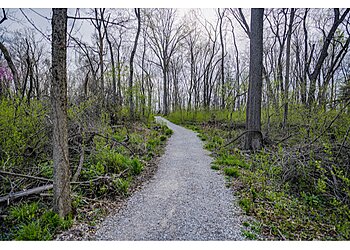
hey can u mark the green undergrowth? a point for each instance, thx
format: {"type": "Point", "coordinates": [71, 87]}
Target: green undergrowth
{"type": "Point", "coordinates": [297, 189]}
{"type": "Point", "coordinates": [118, 156]}
{"type": "Point", "coordinates": [32, 221]}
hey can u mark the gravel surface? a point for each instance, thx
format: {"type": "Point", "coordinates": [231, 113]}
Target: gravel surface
{"type": "Point", "coordinates": [185, 200]}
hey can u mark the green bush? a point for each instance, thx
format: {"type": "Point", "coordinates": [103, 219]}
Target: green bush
{"type": "Point", "coordinates": [29, 221]}
{"type": "Point", "coordinates": [23, 213]}
{"type": "Point", "coordinates": [122, 186]}
{"type": "Point", "coordinates": [231, 171]}
{"type": "Point", "coordinates": [168, 132]}
{"type": "Point", "coordinates": [33, 231]}
{"type": "Point", "coordinates": [136, 166]}
{"type": "Point", "coordinates": [23, 133]}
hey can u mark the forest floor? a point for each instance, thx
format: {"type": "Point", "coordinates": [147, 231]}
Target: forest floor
{"type": "Point", "coordinates": [185, 200]}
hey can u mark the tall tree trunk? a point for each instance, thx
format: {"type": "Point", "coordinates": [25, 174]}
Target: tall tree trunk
{"type": "Point", "coordinates": [289, 36]}
{"type": "Point", "coordinates": [223, 90]}
{"type": "Point", "coordinates": [165, 91]}
{"type": "Point", "coordinates": [306, 65]}
{"type": "Point", "coordinates": [61, 199]}
{"type": "Point", "coordinates": [131, 101]}
{"type": "Point", "coordinates": [253, 138]}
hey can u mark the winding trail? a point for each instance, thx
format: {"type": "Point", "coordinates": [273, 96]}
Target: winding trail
{"type": "Point", "coordinates": [185, 200]}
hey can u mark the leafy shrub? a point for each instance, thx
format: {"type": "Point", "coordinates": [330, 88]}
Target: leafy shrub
{"type": "Point", "coordinates": [168, 132]}
{"type": "Point", "coordinates": [246, 204]}
{"type": "Point", "coordinates": [23, 213]}
{"type": "Point", "coordinates": [23, 136]}
{"type": "Point", "coordinates": [230, 160]}
{"type": "Point", "coordinates": [136, 166]}
{"type": "Point", "coordinates": [33, 231]}
{"type": "Point", "coordinates": [29, 221]}
{"type": "Point", "coordinates": [231, 171]}
{"type": "Point", "coordinates": [215, 167]}
{"type": "Point", "coordinates": [122, 186]}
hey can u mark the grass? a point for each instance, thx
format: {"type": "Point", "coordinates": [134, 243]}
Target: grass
{"type": "Point", "coordinates": [289, 197]}
{"type": "Point", "coordinates": [33, 221]}
{"type": "Point", "coordinates": [110, 170]}
{"type": "Point", "coordinates": [231, 171]}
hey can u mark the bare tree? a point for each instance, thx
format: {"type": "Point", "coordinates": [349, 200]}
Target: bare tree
{"type": "Point", "coordinates": [287, 78]}
{"type": "Point", "coordinates": [62, 200]}
{"type": "Point", "coordinates": [164, 39]}
{"type": "Point", "coordinates": [131, 77]}
{"type": "Point", "coordinates": [253, 139]}
{"type": "Point", "coordinates": [338, 19]}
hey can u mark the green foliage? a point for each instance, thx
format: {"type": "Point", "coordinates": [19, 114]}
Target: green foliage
{"type": "Point", "coordinates": [168, 132]}
{"type": "Point", "coordinates": [136, 166]}
{"type": "Point", "coordinates": [296, 192]}
{"type": "Point", "coordinates": [31, 221]}
{"type": "Point", "coordinates": [231, 171]}
{"type": "Point", "coordinates": [122, 186]}
{"type": "Point", "coordinates": [23, 213]}
{"type": "Point", "coordinates": [246, 204]}
{"type": "Point", "coordinates": [215, 167]}
{"type": "Point", "coordinates": [33, 231]}
{"type": "Point", "coordinates": [22, 131]}
{"type": "Point", "coordinates": [162, 138]}
{"type": "Point", "coordinates": [231, 160]}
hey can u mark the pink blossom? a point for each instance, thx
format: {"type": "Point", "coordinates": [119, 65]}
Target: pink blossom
{"type": "Point", "coordinates": [5, 74]}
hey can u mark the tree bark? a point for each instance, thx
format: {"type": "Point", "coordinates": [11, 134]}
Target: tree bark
{"type": "Point", "coordinates": [289, 36]}
{"type": "Point", "coordinates": [253, 139]}
{"type": "Point", "coordinates": [61, 199]}
{"type": "Point", "coordinates": [131, 78]}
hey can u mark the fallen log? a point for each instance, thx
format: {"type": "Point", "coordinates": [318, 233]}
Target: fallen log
{"type": "Point", "coordinates": [25, 193]}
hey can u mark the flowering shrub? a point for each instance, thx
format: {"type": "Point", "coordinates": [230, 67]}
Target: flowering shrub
{"type": "Point", "coordinates": [5, 74]}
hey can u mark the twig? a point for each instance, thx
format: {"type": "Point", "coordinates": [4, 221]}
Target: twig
{"type": "Point", "coordinates": [25, 176]}
{"type": "Point", "coordinates": [80, 166]}
{"type": "Point", "coordinates": [284, 238]}
{"type": "Point", "coordinates": [330, 124]}
{"type": "Point", "coordinates": [99, 178]}
{"type": "Point", "coordinates": [248, 131]}
{"type": "Point", "coordinates": [111, 138]}
{"type": "Point", "coordinates": [343, 142]}
{"type": "Point", "coordinates": [4, 16]}
{"type": "Point", "coordinates": [286, 138]}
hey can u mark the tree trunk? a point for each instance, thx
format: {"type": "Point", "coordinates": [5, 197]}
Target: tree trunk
{"type": "Point", "coordinates": [253, 139]}
{"type": "Point", "coordinates": [61, 199]}
{"type": "Point", "coordinates": [131, 101]}
{"type": "Point", "coordinates": [289, 36]}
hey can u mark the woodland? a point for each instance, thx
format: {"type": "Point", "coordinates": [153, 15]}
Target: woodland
{"type": "Point", "coordinates": [267, 90]}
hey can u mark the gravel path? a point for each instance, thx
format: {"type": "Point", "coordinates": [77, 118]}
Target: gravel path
{"type": "Point", "coordinates": [185, 200]}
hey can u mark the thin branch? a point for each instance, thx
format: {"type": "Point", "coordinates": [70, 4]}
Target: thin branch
{"type": "Point", "coordinates": [31, 22]}
{"type": "Point", "coordinates": [4, 16]}
{"type": "Point", "coordinates": [121, 23]}
{"type": "Point", "coordinates": [342, 145]}
{"type": "Point", "coordinates": [25, 176]}
{"type": "Point", "coordinates": [330, 124]}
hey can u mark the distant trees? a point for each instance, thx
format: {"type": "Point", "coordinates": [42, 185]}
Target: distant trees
{"type": "Point", "coordinates": [164, 39]}
{"type": "Point", "coordinates": [61, 199]}
{"type": "Point", "coordinates": [188, 62]}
